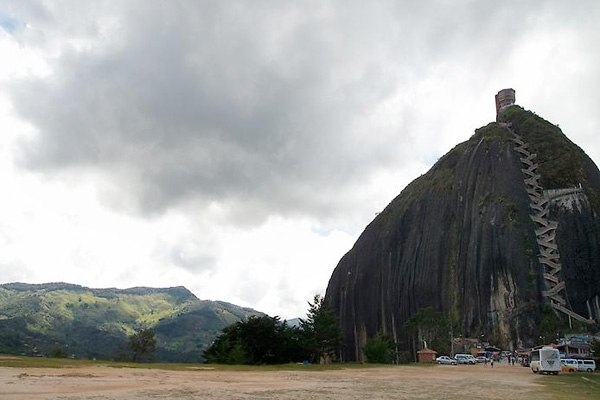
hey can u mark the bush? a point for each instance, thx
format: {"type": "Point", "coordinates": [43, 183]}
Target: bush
{"type": "Point", "coordinates": [57, 352]}
{"type": "Point", "coordinates": [379, 349]}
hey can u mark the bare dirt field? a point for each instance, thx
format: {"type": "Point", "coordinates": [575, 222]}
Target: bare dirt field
{"type": "Point", "coordinates": [394, 382]}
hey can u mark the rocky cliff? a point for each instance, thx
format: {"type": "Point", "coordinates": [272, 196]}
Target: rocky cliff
{"type": "Point", "coordinates": [461, 239]}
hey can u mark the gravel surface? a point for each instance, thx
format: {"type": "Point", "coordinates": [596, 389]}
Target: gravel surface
{"type": "Point", "coordinates": [394, 382]}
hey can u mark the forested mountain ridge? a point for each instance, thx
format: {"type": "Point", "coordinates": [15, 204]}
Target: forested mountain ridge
{"type": "Point", "coordinates": [39, 319]}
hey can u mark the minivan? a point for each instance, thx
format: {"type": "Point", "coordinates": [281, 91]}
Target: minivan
{"type": "Point", "coordinates": [586, 365]}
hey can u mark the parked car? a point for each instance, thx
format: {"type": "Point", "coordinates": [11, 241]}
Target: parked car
{"type": "Point", "coordinates": [481, 359]}
{"type": "Point", "coordinates": [567, 368]}
{"type": "Point", "coordinates": [568, 365]}
{"type": "Point", "coordinates": [446, 360]}
{"type": "Point", "coordinates": [465, 359]}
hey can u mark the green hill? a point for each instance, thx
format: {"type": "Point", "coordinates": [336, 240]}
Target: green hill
{"type": "Point", "coordinates": [57, 318]}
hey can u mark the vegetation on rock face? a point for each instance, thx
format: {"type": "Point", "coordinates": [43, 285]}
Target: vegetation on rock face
{"type": "Point", "coordinates": [63, 319]}
{"type": "Point", "coordinates": [562, 163]}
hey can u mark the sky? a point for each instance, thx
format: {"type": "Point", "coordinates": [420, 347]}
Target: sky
{"type": "Point", "coordinates": [239, 148]}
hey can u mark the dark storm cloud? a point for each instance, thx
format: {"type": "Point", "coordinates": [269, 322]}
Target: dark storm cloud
{"type": "Point", "coordinates": [261, 107]}
{"type": "Point", "coordinates": [212, 104]}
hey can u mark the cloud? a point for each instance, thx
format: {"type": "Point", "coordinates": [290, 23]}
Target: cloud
{"type": "Point", "coordinates": [214, 144]}
{"type": "Point", "coordinates": [261, 112]}
{"type": "Point", "coordinates": [224, 107]}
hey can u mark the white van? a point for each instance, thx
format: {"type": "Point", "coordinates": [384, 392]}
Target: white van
{"type": "Point", "coordinates": [569, 365]}
{"type": "Point", "coordinates": [586, 365]}
{"type": "Point", "coordinates": [545, 360]}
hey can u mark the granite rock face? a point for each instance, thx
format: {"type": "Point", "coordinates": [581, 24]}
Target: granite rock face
{"type": "Point", "coordinates": [460, 239]}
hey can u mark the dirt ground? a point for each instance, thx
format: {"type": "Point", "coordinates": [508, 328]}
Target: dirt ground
{"type": "Point", "coordinates": [394, 382]}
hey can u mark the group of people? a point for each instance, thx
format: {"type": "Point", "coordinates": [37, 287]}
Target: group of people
{"type": "Point", "coordinates": [511, 359]}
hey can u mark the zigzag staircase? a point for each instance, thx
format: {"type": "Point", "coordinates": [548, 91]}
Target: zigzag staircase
{"type": "Point", "coordinates": [549, 256]}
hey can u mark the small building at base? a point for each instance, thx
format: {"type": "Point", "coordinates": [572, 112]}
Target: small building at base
{"type": "Point", "coordinates": [426, 355]}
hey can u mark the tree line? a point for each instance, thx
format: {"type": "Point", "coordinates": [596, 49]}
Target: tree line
{"type": "Point", "coordinates": [317, 339]}
{"type": "Point", "coordinates": [268, 340]}
{"type": "Point", "coordinates": [261, 340]}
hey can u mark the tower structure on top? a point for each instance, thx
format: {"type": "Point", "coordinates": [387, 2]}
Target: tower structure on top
{"type": "Point", "coordinates": [504, 98]}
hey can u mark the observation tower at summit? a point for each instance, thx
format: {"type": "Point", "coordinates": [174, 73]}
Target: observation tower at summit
{"type": "Point", "coordinates": [504, 98]}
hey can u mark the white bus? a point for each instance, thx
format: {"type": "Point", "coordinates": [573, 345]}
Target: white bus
{"type": "Point", "coordinates": [545, 360]}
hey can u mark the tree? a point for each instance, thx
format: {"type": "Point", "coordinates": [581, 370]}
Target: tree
{"type": "Point", "coordinates": [142, 343]}
{"type": "Point", "coordinates": [267, 340]}
{"type": "Point", "coordinates": [257, 340]}
{"type": "Point", "coordinates": [321, 331]}
{"type": "Point", "coordinates": [226, 348]}
{"type": "Point", "coordinates": [550, 325]}
{"type": "Point", "coordinates": [428, 325]}
{"type": "Point", "coordinates": [596, 347]}
{"type": "Point", "coordinates": [380, 349]}
{"type": "Point", "coordinates": [57, 352]}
